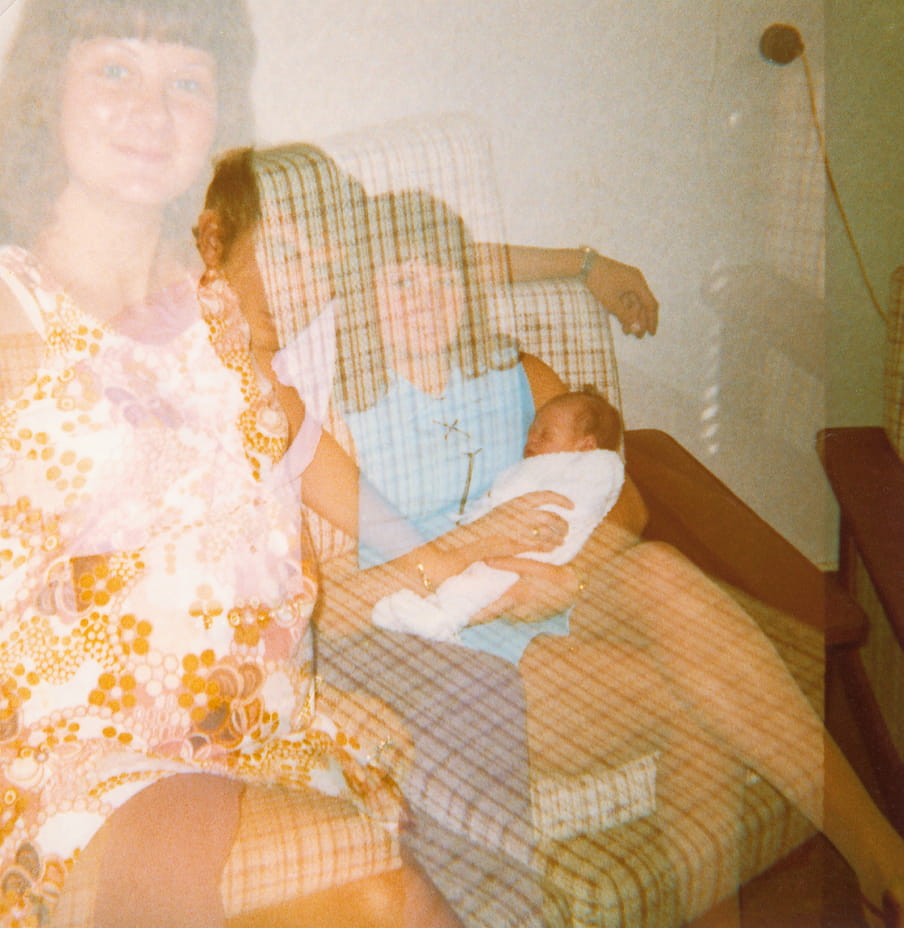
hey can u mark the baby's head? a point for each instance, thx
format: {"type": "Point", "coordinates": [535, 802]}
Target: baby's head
{"type": "Point", "coordinates": [579, 421]}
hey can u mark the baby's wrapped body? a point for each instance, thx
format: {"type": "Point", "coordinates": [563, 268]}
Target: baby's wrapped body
{"type": "Point", "coordinates": [592, 480]}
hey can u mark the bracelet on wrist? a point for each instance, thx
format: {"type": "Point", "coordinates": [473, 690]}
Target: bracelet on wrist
{"type": "Point", "coordinates": [590, 256]}
{"type": "Point", "coordinates": [425, 580]}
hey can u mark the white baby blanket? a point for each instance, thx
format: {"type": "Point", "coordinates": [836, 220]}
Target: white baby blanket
{"type": "Point", "coordinates": [592, 480]}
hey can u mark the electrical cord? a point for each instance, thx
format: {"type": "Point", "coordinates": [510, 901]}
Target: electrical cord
{"type": "Point", "coordinates": [833, 187]}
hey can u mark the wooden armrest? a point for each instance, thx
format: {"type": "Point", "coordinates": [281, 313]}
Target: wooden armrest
{"type": "Point", "coordinates": [867, 477]}
{"type": "Point", "coordinates": [693, 510]}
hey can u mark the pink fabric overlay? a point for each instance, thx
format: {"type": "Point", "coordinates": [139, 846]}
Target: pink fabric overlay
{"type": "Point", "coordinates": [154, 595]}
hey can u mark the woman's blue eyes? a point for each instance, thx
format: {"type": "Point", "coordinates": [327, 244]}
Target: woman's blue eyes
{"type": "Point", "coordinates": [114, 72]}
{"type": "Point", "coordinates": [189, 85]}
{"type": "Point", "coordinates": [117, 73]}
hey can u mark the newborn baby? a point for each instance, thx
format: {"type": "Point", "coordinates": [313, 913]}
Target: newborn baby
{"type": "Point", "coordinates": [570, 449]}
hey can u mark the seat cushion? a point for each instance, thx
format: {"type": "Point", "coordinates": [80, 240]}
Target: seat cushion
{"type": "Point", "coordinates": [293, 842]}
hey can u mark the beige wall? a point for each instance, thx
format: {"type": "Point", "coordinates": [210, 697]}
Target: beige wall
{"type": "Point", "coordinates": [866, 128]}
{"type": "Point", "coordinates": [645, 127]}
{"type": "Point", "coordinates": [653, 130]}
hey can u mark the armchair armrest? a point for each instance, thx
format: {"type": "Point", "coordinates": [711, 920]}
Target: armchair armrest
{"type": "Point", "coordinates": [561, 323]}
{"type": "Point", "coordinates": [693, 510]}
{"type": "Point", "coordinates": [867, 477]}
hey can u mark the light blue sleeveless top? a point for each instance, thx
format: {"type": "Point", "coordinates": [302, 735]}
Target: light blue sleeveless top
{"type": "Point", "coordinates": [429, 454]}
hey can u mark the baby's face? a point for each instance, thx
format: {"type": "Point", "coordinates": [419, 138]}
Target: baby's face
{"type": "Point", "coordinates": [553, 430]}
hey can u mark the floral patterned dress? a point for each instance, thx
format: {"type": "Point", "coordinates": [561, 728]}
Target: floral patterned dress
{"type": "Point", "coordinates": [154, 599]}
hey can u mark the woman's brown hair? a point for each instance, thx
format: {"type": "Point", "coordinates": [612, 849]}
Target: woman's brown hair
{"type": "Point", "coordinates": [415, 225]}
{"type": "Point", "coordinates": [233, 195]}
{"type": "Point", "coordinates": [32, 171]}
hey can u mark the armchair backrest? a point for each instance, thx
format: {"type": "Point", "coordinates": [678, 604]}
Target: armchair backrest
{"type": "Point", "coordinates": [448, 159]}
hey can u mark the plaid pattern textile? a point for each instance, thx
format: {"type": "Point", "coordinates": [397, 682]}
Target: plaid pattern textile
{"type": "Point", "coordinates": [713, 826]}
{"type": "Point", "coordinates": [465, 713]}
{"type": "Point", "coordinates": [450, 157]}
{"type": "Point", "coordinates": [893, 409]}
{"type": "Point", "coordinates": [290, 842]}
{"type": "Point", "coordinates": [21, 355]}
{"type": "Point", "coordinates": [564, 806]}
{"type": "Point", "coordinates": [294, 842]}
{"type": "Point", "coordinates": [560, 323]}
{"type": "Point", "coordinates": [479, 739]}
{"type": "Point", "coordinates": [469, 786]}
{"type": "Point", "coordinates": [486, 887]}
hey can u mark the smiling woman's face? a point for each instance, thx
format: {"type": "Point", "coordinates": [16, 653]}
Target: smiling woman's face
{"type": "Point", "coordinates": [420, 306]}
{"type": "Point", "coordinates": [137, 118]}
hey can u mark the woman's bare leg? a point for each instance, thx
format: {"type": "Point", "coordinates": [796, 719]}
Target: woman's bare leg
{"type": "Point", "coordinates": [699, 787]}
{"type": "Point", "coordinates": [157, 861]}
{"type": "Point", "coordinates": [727, 675]}
{"type": "Point", "coordinates": [400, 898]}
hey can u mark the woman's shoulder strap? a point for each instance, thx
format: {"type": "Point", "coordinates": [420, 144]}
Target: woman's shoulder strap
{"type": "Point", "coordinates": [20, 304]}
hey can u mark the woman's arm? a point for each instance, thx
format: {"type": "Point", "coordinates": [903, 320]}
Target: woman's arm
{"type": "Point", "coordinates": [331, 488]}
{"type": "Point", "coordinates": [329, 485]}
{"type": "Point", "coordinates": [521, 525]}
{"type": "Point", "coordinates": [545, 589]}
{"type": "Point", "coordinates": [545, 384]}
{"type": "Point", "coordinates": [621, 289]}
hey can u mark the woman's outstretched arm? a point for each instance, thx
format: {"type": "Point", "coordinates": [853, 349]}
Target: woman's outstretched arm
{"type": "Point", "coordinates": [331, 488]}
{"type": "Point", "coordinates": [620, 288]}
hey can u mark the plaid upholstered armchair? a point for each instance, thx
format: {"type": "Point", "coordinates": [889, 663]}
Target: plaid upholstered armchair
{"type": "Point", "coordinates": [471, 790]}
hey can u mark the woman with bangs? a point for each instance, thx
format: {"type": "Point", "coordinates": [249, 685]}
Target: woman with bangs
{"type": "Point", "coordinates": [164, 757]}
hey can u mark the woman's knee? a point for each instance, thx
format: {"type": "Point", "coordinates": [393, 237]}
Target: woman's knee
{"type": "Point", "coordinates": [400, 898]}
{"type": "Point", "coordinates": [179, 812]}
{"type": "Point", "coordinates": [164, 850]}
{"type": "Point", "coordinates": [658, 554]}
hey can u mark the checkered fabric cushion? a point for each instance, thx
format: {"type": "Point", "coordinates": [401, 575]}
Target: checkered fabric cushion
{"type": "Point", "coordinates": [290, 842]}
{"type": "Point", "coordinates": [469, 790]}
{"type": "Point", "coordinates": [668, 868]}
{"type": "Point", "coordinates": [566, 805]}
{"type": "Point", "coordinates": [893, 409]}
{"type": "Point", "coordinates": [294, 842]}
{"type": "Point", "coordinates": [449, 156]}
{"type": "Point", "coordinates": [465, 713]}
{"type": "Point", "coordinates": [560, 323]}
{"type": "Point", "coordinates": [470, 785]}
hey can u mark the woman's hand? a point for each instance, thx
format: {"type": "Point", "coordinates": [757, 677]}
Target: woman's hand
{"type": "Point", "coordinates": [522, 525]}
{"type": "Point", "coordinates": [624, 292]}
{"type": "Point", "coordinates": [542, 590]}
{"type": "Point", "coordinates": [620, 288]}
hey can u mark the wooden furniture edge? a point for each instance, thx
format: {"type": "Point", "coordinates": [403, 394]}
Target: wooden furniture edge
{"type": "Point", "coordinates": [867, 478]}
{"type": "Point", "coordinates": [696, 512]}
